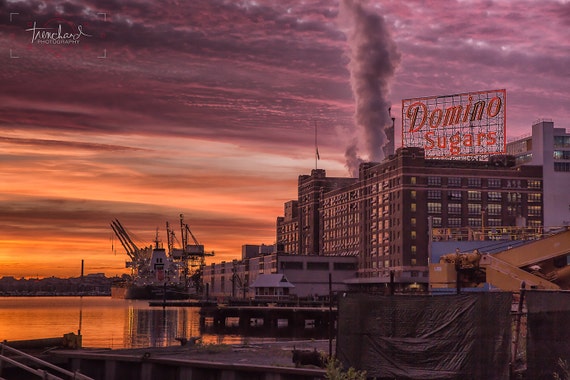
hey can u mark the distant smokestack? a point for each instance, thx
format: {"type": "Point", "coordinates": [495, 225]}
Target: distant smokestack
{"type": "Point", "coordinates": [373, 60]}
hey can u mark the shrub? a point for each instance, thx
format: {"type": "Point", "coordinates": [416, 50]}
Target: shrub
{"type": "Point", "coordinates": [335, 371]}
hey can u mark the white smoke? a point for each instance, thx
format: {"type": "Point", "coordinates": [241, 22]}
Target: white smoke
{"type": "Point", "coordinates": [373, 61]}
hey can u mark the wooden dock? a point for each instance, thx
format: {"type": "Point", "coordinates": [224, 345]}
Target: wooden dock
{"type": "Point", "coordinates": [269, 316]}
{"type": "Point", "coordinates": [193, 303]}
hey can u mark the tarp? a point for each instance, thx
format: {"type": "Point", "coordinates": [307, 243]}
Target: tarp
{"type": "Point", "coordinates": [548, 333]}
{"type": "Point", "coordinates": [464, 336]}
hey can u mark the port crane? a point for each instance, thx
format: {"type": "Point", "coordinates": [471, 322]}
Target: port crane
{"type": "Point", "coordinates": [192, 254]}
{"type": "Point", "coordinates": [136, 254]}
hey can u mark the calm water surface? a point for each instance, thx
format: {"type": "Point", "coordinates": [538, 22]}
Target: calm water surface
{"type": "Point", "coordinates": [103, 321]}
{"type": "Point", "coordinates": [116, 323]}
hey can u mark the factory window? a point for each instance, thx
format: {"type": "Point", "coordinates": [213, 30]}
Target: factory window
{"type": "Point", "coordinates": [561, 141]}
{"type": "Point", "coordinates": [494, 182]}
{"type": "Point", "coordinates": [535, 197]}
{"type": "Point", "coordinates": [436, 221]}
{"type": "Point", "coordinates": [474, 182]}
{"type": "Point", "coordinates": [534, 223]}
{"type": "Point", "coordinates": [474, 195]}
{"type": "Point", "coordinates": [494, 196]}
{"type": "Point", "coordinates": [534, 184]}
{"type": "Point", "coordinates": [562, 167]}
{"type": "Point", "coordinates": [454, 222]}
{"type": "Point", "coordinates": [561, 155]}
{"type": "Point", "coordinates": [454, 195]}
{"type": "Point", "coordinates": [534, 210]}
{"type": "Point", "coordinates": [494, 222]}
{"type": "Point", "coordinates": [434, 181]}
{"type": "Point", "coordinates": [474, 208]}
{"type": "Point", "coordinates": [454, 208]}
{"type": "Point", "coordinates": [494, 209]}
{"type": "Point", "coordinates": [454, 181]}
{"type": "Point", "coordinates": [434, 194]}
{"type": "Point", "coordinates": [516, 183]}
{"type": "Point", "coordinates": [474, 222]}
{"type": "Point", "coordinates": [514, 197]}
{"type": "Point", "coordinates": [434, 208]}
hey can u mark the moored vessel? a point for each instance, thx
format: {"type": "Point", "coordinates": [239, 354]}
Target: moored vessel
{"type": "Point", "coordinates": [158, 274]}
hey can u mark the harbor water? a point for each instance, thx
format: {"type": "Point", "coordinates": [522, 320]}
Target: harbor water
{"type": "Point", "coordinates": [118, 323]}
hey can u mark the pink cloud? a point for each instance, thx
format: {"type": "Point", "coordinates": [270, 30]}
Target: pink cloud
{"type": "Point", "coordinates": [252, 75]}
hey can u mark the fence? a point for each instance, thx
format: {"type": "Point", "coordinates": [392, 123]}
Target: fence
{"type": "Point", "coordinates": [24, 362]}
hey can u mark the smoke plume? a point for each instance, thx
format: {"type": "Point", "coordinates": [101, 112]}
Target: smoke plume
{"type": "Point", "coordinates": [353, 161]}
{"type": "Point", "coordinates": [373, 60]}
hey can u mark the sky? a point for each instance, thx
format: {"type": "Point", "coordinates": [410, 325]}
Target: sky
{"type": "Point", "coordinates": [145, 110]}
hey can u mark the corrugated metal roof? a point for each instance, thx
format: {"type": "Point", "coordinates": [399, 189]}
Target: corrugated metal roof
{"type": "Point", "coordinates": [271, 281]}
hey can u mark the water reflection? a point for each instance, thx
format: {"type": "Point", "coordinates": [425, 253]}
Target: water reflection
{"type": "Point", "coordinates": [159, 327]}
{"type": "Point", "coordinates": [112, 323]}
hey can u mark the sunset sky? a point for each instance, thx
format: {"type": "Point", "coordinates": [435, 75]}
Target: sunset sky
{"type": "Point", "coordinates": [208, 107]}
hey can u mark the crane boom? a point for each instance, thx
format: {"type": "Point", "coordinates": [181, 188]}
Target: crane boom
{"type": "Point", "coordinates": [133, 247]}
{"type": "Point", "coordinates": [123, 241]}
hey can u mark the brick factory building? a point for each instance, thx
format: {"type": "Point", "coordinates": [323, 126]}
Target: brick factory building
{"type": "Point", "coordinates": [384, 215]}
{"type": "Point", "coordinates": [385, 218]}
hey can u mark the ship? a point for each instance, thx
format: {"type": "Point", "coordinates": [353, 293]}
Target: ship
{"type": "Point", "coordinates": [159, 273]}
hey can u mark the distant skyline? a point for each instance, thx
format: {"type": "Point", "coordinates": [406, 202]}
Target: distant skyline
{"type": "Point", "coordinates": [207, 108]}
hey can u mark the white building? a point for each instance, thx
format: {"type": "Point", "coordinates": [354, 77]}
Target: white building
{"type": "Point", "coordinates": [548, 147]}
{"type": "Point", "coordinates": [309, 274]}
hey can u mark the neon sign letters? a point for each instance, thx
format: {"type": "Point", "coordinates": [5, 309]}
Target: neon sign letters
{"type": "Point", "coordinates": [460, 125]}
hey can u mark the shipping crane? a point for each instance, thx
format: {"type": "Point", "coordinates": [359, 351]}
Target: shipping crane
{"type": "Point", "coordinates": [136, 254]}
{"type": "Point", "coordinates": [193, 255]}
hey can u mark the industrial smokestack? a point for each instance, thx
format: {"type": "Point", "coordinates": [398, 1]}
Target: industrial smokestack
{"type": "Point", "coordinates": [373, 61]}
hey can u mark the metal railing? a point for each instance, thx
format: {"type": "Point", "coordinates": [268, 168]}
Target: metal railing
{"type": "Point", "coordinates": [498, 233]}
{"type": "Point", "coordinates": [41, 373]}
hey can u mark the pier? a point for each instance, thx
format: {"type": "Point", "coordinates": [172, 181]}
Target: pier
{"type": "Point", "coordinates": [268, 316]}
{"type": "Point", "coordinates": [251, 362]}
